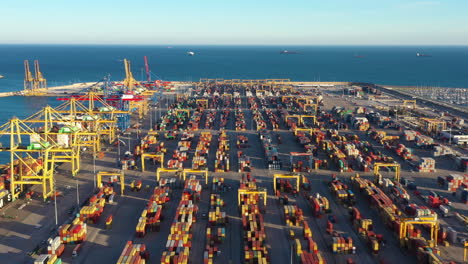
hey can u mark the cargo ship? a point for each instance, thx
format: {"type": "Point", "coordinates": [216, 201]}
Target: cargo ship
{"type": "Point", "coordinates": [288, 52]}
{"type": "Point", "coordinates": [422, 55]}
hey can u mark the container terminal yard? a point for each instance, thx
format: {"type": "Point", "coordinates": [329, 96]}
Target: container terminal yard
{"type": "Point", "coordinates": [233, 171]}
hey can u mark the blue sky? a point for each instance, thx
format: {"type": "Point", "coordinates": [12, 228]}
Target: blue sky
{"type": "Point", "coordinates": [262, 22]}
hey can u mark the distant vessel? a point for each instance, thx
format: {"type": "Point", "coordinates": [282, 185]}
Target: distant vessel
{"type": "Point", "coordinates": [422, 55]}
{"type": "Point", "coordinates": [288, 52]}
{"type": "Point", "coordinates": [1, 76]}
{"type": "Point", "coordinates": [191, 53]}
{"type": "Point", "coordinates": [359, 56]}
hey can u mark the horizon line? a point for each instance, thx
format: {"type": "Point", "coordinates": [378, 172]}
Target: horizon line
{"type": "Point", "coordinates": [259, 45]}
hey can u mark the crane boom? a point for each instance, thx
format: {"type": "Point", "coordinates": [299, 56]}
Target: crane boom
{"type": "Point", "coordinates": [148, 74]}
{"type": "Point", "coordinates": [129, 81]}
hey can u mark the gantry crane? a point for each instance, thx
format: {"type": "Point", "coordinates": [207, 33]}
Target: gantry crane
{"type": "Point", "coordinates": [425, 220]}
{"type": "Point", "coordinates": [50, 124]}
{"type": "Point", "coordinates": [148, 72]}
{"type": "Point", "coordinates": [378, 176]}
{"type": "Point", "coordinates": [119, 174]}
{"type": "Point", "coordinates": [40, 83]}
{"type": "Point", "coordinates": [129, 81]}
{"type": "Point", "coordinates": [297, 177]}
{"type": "Point", "coordinates": [30, 164]}
{"type": "Point", "coordinates": [259, 191]}
{"type": "Point", "coordinates": [28, 78]}
{"type": "Point", "coordinates": [202, 172]}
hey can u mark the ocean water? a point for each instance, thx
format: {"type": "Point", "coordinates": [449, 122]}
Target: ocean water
{"type": "Point", "coordinates": [380, 64]}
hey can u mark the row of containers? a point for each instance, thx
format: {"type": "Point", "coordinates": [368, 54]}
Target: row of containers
{"type": "Point", "coordinates": [216, 228]}
{"type": "Point", "coordinates": [225, 118]}
{"type": "Point", "coordinates": [179, 240]}
{"type": "Point", "coordinates": [152, 215]}
{"type": "Point", "coordinates": [254, 236]}
{"type": "Point", "coordinates": [75, 232]}
{"type": "Point", "coordinates": [396, 217]}
{"type": "Point", "coordinates": [200, 158]}
{"type": "Point", "coordinates": [241, 125]}
{"type": "Point", "coordinates": [270, 150]}
{"type": "Point", "coordinates": [456, 183]}
{"type": "Point", "coordinates": [29, 166]}
{"type": "Point", "coordinates": [181, 153]}
{"type": "Point", "coordinates": [222, 163]}
{"type": "Point", "coordinates": [305, 248]}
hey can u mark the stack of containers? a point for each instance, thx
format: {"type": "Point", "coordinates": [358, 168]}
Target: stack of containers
{"type": "Point", "coordinates": [199, 160]}
{"type": "Point", "coordinates": [271, 152]}
{"type": "Point", "coordinates": [410, 135]}
{"type": "Point", "coordinates": [134, 254]}
{"type": "Point", "coordinates": [259, 120]}
{"type": "Point", "coordinates": [210, 119]}
{"type": "Point", "coordinates": [320, 205]}
{"type": "Point", "coordinates": [396, 191]}
{"type": "Point", "coordinates": [194, 122]}
{"type": "Point", "coordinates": [222, 153]}
{"type": "Point", "coordinates": [365, 228]}
{"type": "Point", "coordinates": [244, 162]}
{"type": "Point", "coordinates": [215, 231]}
{"type": "Point", "coordinates": [73, 233]}
{"type": "Point", "coordinates": [5, 196]}
{"type": "Point", "coordinates": [351, 151]}
{"type": "Point", "coordinates": [341, 192]}
{"type": "Point", "coordinates": [255, 250]}
{"type": "Point", "coordinates": [152, 215]}
{"type": "Point", "coordinates": [402, 151]}
{"type": "Point", "coordinates": [274, 119]}
{"type": "Point", "coordinates": [218, 185]}
{"type": "Point", "coordinates": [343, 245]}
{"type": "Point", "coordinates": [453, 181]}
{"type": "Point", "coordinates": [423, 141]}
{"type": "Point", "coordinates": [379, 200]}
{"type": "Point", "coordinates": [441, 150]}
{"type": "Point", "coordinates": [48, 259]}
{"type": "Point", "coordinates": [93, 211]}
{"type": "Point", "coordinates": [55, 246]}
{"type": "Point", "coordinates": [179, 240]}
{"type": "Point", "coordinates": [293, 215]}
{"type": "Point", "coordinates": [192, 189]}
{"type": "Point", "coordinates": [240, 121]}
{"type": "Point", "coordinates": [225, 118]}
{"type": "Point", "coordinates": [426, 165]}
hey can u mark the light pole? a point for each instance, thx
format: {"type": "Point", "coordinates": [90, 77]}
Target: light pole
{"type": "Point", "coordinates": [77, 191]}
{"type": "Point", "coordinates": [94, 168]}
{"type": "Point", "coordinates": [55, 203]}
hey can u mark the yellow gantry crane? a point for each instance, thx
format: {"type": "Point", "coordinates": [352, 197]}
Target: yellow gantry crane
{"type": "Point", "coordinates": [28, 78]}
{"type": "Point", "coordinates": [378, 176]}
{"type": "Point", "coordinates": [111, 174]}
{"type": "Point", "coordinates": [30, 164]}
{"type": "Point", "coordinates": [129, 81]}
{"type": "Point", "coordinates": [51, 125]}
{"type": "Point", "coordinates": [428, 220]}
{"type": "Point", "coordinates": [297, 177]}
{"type": "Point", "coordinates": [259, 191]}
{"type": "Point", "coordinates": [202, 172]}
{"type": "Point", "coordinates": [39, 80]}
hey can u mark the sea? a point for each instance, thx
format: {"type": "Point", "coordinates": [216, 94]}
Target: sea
{"type": "Point", "coordinates": [67, 64]}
